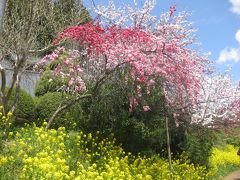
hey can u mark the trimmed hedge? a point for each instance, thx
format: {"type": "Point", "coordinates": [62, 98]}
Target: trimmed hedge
{"type": "Point", "coordinates": [25, 108]}
{"type": "Point", "coordinates": [47, 104]}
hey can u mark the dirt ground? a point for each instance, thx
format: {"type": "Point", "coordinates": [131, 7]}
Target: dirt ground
{"type": "Point", "coordinates": [233, 176]}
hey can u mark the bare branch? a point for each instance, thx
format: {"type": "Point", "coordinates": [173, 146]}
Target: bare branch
{"type": "Point", "coordinates": [46, 48]}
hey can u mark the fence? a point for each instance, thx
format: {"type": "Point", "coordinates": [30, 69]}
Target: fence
{"type": "Point", "coordinates": [28, 80]}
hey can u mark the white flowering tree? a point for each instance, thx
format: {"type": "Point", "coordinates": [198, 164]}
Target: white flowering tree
{"type": "Point", "coordinates": [218, 102]}
{"type": "Point", "coordinates": [128, 15]}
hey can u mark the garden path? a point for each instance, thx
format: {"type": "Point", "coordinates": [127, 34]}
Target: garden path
{"type": "Point", "coordinates": [233, 176]}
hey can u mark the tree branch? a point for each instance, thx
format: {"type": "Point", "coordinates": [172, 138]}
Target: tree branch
{"type": "Point", "coordinates": [61, 108]}
{"type": "Point", "coordinates": [45, 48]}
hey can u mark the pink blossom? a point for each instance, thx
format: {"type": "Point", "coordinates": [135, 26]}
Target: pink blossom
{"type": "Point", "coordinates": [77, 88]}
{"type": "Point", "coordinates": [151, 82]}
{"type": "Point", "coordinates": [133, 102]}
{"type": "Point", "coordinates": [67, 62]}
{"type": "Point", "coordinates": [71, 81]}
{"type": "Point", "coordinates": [58, 70]}
{"type": "Point", "coordinates": [143, 79]}
{"type": "Point", "coordinates": [146, 108]}
{"type": "Point", "coordinates": [139, 92]}
{"type": "Point", "coordinates": [172, 9]}
{"type": "Point", "coordinates": [79, 69]}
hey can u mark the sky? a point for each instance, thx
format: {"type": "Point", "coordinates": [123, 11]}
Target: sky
{"type": "Point", "coordinates": [218, 25]}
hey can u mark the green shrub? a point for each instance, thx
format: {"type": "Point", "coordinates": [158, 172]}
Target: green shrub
{"type": "Point", "coordinates": [199, 143]}
{"type": "Point", "coordinates": [137, 131]}
{"type": "Point", "coordinates": [25, 108]}
{"type": "Point", "coordinates": [108, 112]}
{"type": "Point", "coordinates": [47, 104]}
{"type": "Point", "coordinates": [228, 136]}
{"type": "Point", "coordinates": [48, 83]}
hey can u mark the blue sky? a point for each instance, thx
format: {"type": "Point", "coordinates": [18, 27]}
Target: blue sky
{"type": "Point", "coordinates": [217, 21]}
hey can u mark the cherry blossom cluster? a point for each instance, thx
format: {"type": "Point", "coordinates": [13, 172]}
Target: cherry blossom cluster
{"type": "Point", "coordinates": [67, 67]}
{"type": "Point", "coordinates": [51, 57]}
{"type": "Point", "coordinates": [131, 15]}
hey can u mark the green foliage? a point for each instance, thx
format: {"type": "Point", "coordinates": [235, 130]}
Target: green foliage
{"type": "Point", "coordinates": [67, 12]}
{"type": "Point", "coordinates": [25, 108]}
{"type": "Point", "coordinates": [231, 136]}
{"type": "Point", "coordinates": [48, 83]}
{"type": "Point", "coordinates": [47, 104]}
{"type": "Point", "coordinates": [33, 153]}
{"type": "Point", "coordinates": [23, 16]}
{"type": "Point", "coordinates": [137, 131]}
{"type": "Point", "coordinates": [199, 145]}
{"type": "Point", "coordinates": [108, 112]}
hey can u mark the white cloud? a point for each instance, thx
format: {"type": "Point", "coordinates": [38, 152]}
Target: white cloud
{"type": "Point", "coordinates": [237, 36]}
{"type": "Point", "coordinates": [231, 54]}
{"type": "Point", "coordinates": [235, 6]}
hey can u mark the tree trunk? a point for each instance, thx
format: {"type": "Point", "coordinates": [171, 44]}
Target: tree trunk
{"type": "Point", "coordinates": [168, 147]}
{"type": "Point", "coordinates": [2, 10]}
{"type": "Point", "coordinates": [16, 98]}
{"type": "Point", "coordinates": [3, 89]}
